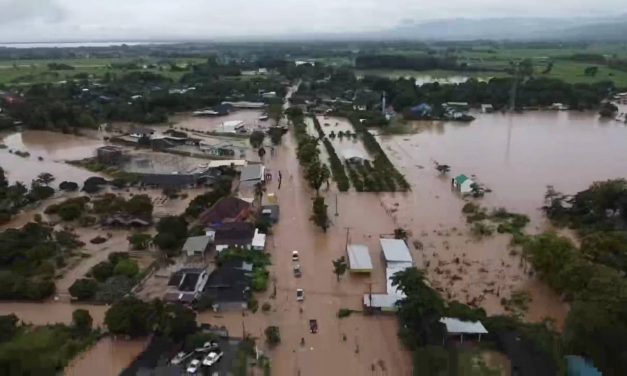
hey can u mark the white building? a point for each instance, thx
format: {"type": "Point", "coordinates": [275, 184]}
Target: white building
{"type": "Point", "coordinates": [462, 184]}
{"type": "Point", "coordinates": [359, 258]}
{"type": "Point", "coordinates": [232, 126]}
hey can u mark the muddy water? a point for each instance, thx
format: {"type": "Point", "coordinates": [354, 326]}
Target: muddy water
{"type": "Point", "coordinates": [108, 357]}
{"type": "Point", "coordinates": [344, 144]}
{"type": "Point", "coordinates": [518, 155]}
{"type": "Point", "coordinates": [205, 124]}
{"type": "Point", "coordinates": [54, 148]}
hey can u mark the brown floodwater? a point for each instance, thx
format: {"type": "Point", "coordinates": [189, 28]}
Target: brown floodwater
{"type": "Point", "coordinates": [108, 357]}
{"type": "Point", "coordinates": [55, 148]}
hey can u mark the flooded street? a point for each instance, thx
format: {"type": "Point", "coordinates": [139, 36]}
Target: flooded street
{"type": "Point", "coordinates": [108, 357]}
{"type": "Point", "coordinates": [55, 148]}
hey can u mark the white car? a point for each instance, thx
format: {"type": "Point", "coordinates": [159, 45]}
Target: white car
{"type": "Point", "coordinates": [295, 256]}
{"type": "Point", "coordinates": [300, 295]}
{"type": "Point", "coordinates": [212, 358]}
{"type": "Point", "coordinates": [193, 366]}
{"type": "Point", "coordinates": [178, 358]}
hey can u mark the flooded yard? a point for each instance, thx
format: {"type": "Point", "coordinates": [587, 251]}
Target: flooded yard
{"type": "Point", "coordinates": [54, 148]}
{"type": "Point", "coordinates": [108, 357]}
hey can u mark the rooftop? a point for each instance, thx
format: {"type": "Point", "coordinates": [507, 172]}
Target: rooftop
{"type": "Point", "coordinates": [196, 243]}
{"type": "Point", "coordinates": [380, 300]}
{"type": "Point", "coordinates": [460, 179]}
{"type": "Point", "coordinates": [227, 209]}
{"type": "Point", "coordinates": [252, 172]}
{"type": "Point", "coordinates": [359, 257]}
{"type": "Point", "coordinates": [234, 233]}
{"type": "Point", "coordinates": [457, 326]}
{"type": "Point", "coordinates": [395, 250]}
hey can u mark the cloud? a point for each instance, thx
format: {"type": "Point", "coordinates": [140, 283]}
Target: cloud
{"type": "Point", "coordinates": [44, 20]}
{"type": "Point", "coordinates": [25, 11]}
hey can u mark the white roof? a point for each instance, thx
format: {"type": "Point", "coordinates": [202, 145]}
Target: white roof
{"type": "Point", "coordinates": [457, 326]}
{"type": "Point", "coordinates": [381, 300]}
{"type": "Point", "coordinates": [252, 172]}
{"type": "Point", "coordinates": [259, 240]}
{"type": "Point", "coordinates": [353, 153]}
{"type": "Point", "coordinates": [389, 273]}
{"type": "Point", "coordinates": [359, 257]}
{"type": "Point", "coordinates": [395, 250]}
{"type": "Point", "coordinates": [233, 123]}
{"type": "Point", "coordinates": [227, 162]}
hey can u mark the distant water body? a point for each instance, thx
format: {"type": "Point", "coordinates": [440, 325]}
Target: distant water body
{"type": "Point", "coordinates": [74, 44]}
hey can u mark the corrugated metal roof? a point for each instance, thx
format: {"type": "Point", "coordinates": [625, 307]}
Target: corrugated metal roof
{"type": "Point", "coordinates": [196, 244]}
{"type": "Point", "coordinates": [252, 172]}
{"type": "Point", "coordinates": [359, 257]}
{"type": "Point", "coordinates": [395, 250]}
{"type": "Point", "coordinates": [457, 326]}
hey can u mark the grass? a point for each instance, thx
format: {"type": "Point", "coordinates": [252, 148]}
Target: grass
{"type": "Point", "coordinates": [36, 71]}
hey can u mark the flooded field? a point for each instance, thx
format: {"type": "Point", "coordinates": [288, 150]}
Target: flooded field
{"type": "Point", "coordinates": [108, 357]}
{"type": "Point", "coordinates": [55, 148]}
{"type": "Point", "coordinates": [212, 124]}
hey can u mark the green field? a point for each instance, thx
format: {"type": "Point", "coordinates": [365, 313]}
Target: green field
{"type": "Point", "coordinates": [22, 72]}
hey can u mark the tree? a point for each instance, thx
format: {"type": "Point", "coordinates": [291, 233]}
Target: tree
{"type": "Point", "coordinates": [273, 336]}
{"type": "Point", "coordinates": [259, 191]}
{"type": "Point", "coordinates": [608, 110]}
{"type": "Point", "coordinates": [139, 205]}
{"type": "Point", "coordinates": [400, 233]}
{"type": "Point", "coordinates": [317, 173]}
{"type": "Point", "coordinates": [167, 241]}
{"type": "Point", "coordinates": [591, 71]}
{"type": "Point", "coordinates": [275, 112]}
{"type": "Point", "coordinates": [102, 271]}
{"type": "Point", "coordinates": [139, 241]}
{"type": "Point", "coordinates": [70, 212]}
{"type": "Point", "coordinates": [40, 192]}
{"type": "Point", "coordinates": [443, 169]}
{"type": "Point", "coordinates": [549, 253]}
{"type": "Point", "coordinates": [339, 267]}
{"type": "Point", "coordinates": [126, 267]}
{"type": "Point", "coordinates": [174, 320]}
{"type": "Point", "coordinates": [320, 216]}
{"type": "Point", "coordinates": [174, 225]}
{"type": "Point", "coordinates": [131, 317]}
{"type": "Point", "coordinates": [45, 178]}
{"type": "Point", "coordinates": [261, 152]}
{"type": "Point", "coordinates": [420, 310]}
{"type": "Point", "coordinates": [256, 138]}
{"type": "Point", "coordinates": [8, 327]}
{"type": "Point", "coordinates": [68, 186]}
{"type": "Point", "coordinates": [81, 320]}
{"type": "Point", "coordinates": [83, 289]}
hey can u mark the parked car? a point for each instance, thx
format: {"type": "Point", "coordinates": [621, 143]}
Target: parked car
{"type": "Point", "coordinates": [295, 256]}
{"type": "Point", "coordinates": [212, 358]}
{"type": "Point", "coordinates": [208, 346]}
{"type": "Point", "coordinates": [179, 358]}
{"type": "Point", "coordinates": [297, 272]}
{"type": "Point", "coordinates": [300, 295]}
{"type": "Point", "coordinates": [193, 366]}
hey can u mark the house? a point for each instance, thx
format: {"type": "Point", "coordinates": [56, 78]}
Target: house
{"type": "Point", "coordinates": [219, 110]}
{"type": "Point", "coordinates": [197, 245]}
{"type": "Point", "coordinates": [462, 184]}
{"type": "Point", "coordinates": [232, 126]}
{"type": "Point", "coordinates": [456, 327]}
{"type": "Point", "coordinates": [422, 110]}
{"type": "Point", "coordinates": [354, 156]}
{"type": "Point", "coordinates": [381, 302]}
{"type": "Point", "coordinates": [109, 155]}
{"type": "Point", "coordinates": [395, 252]}
{"type": "Point", "coordinates": [251, 175]}
{"type": "Point", "coordinates": [228, 287]}
{"type": "Point", "coordinates": [233, 234]}
{"type": "Point", "coordinates": [186, 285]}
{"type": "Point", "coordinates": [226, 210]}
{"type": "Point", "coordinates": [359, 258]}
{"type": "Point", "coordinates": [140, 132]}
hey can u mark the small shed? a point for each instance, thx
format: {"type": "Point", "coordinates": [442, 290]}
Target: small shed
{"type": "Point", "coordinates": [381, 302]}
{"type": "Point", "coordinates": [456, 327]}
{"type": "Point", "coordinates": [251, 175]}
{"type": "Point", "coordinates": [462, 184]}
{"type": "Point", "coordinates": [359, 258]}
{"type": "Point", "coordinates": [395, 251]}
{"type": "Point", "coordinates": [196, 245]}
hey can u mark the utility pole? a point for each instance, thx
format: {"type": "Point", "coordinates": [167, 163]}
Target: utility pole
{"type": "Point", "coordinates": [348, 230]}
{"type": "Point", "coordinates": [336, 213]}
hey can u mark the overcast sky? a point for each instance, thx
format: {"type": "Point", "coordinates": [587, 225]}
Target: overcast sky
{"type": "Point", "coordinates": [55, 20]}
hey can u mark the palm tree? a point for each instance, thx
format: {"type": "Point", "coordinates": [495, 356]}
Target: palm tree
{"type": "Point", "coordinates": [259, 190]}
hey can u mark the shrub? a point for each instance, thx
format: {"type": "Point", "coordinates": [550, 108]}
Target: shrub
{"type": "Point", "coordinates": [344, 312]}
{"type": "Point", "coordinates": [273, 336]}
{"type": "Point", "coordinates": [102, 271]}
{"type": "Point", "coordinates": [266, 307]}
{"type": "Point", "coordinates": [126, 267]}
{"type": "Point", "coordinates": [83, 289]}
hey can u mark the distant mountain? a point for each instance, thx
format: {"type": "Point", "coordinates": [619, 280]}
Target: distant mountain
{"type": "Point", "coordinates": [512, 28]}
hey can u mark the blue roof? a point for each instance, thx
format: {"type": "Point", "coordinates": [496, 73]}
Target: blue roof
{"type": "Point", "coordinates": [578, 366]}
